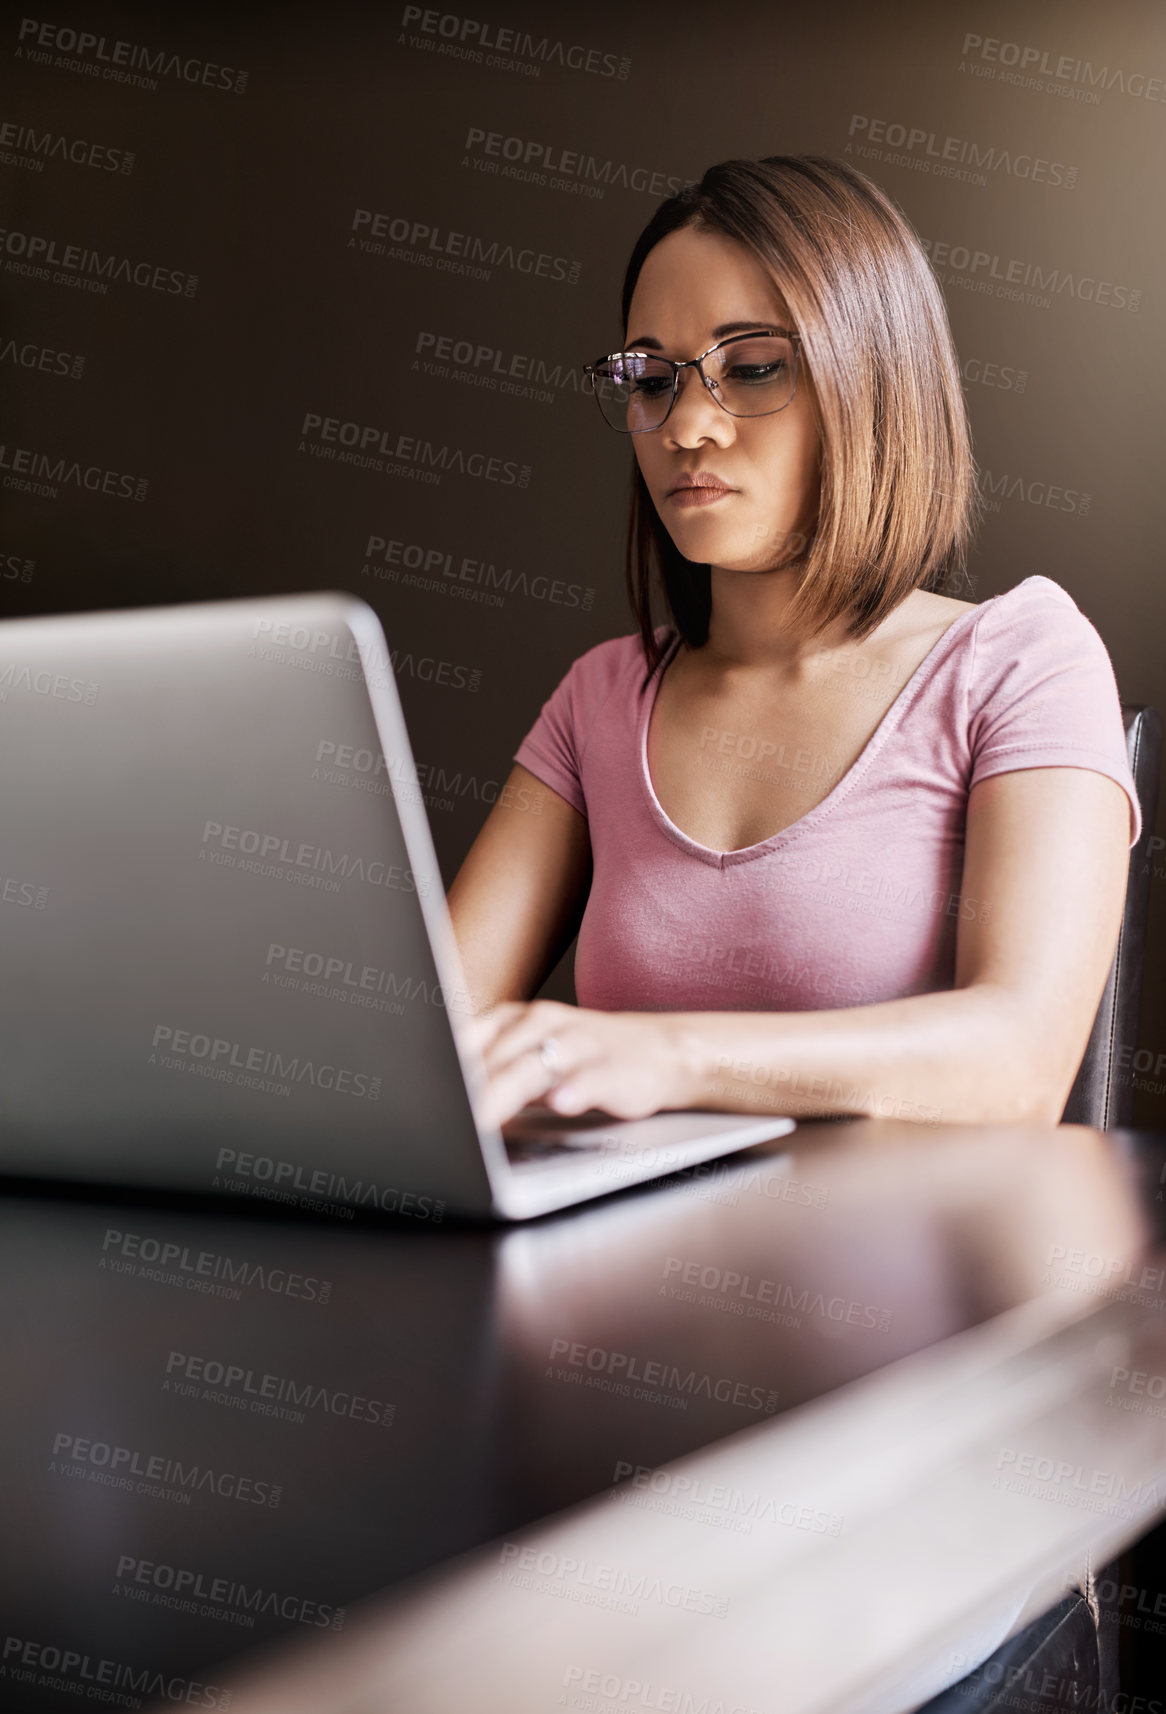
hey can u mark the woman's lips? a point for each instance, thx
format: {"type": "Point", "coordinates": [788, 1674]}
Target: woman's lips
{"type": "Point", "coordinates": [699, 496]}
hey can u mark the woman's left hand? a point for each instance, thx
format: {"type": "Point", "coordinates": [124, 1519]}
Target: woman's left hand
{"type": "Point", "coordinates": [628, 1064]}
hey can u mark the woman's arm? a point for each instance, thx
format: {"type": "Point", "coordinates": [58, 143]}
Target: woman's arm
{"type": "Point", "coordinates": [518, 898]}
{"type": "Point", "coordinates": [1047, 851]}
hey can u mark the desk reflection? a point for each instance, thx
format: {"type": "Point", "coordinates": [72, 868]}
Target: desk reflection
{"type": "Point", "coordinates": [228, 1424]}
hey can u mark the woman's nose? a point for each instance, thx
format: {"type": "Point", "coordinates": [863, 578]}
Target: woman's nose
{"type": "Point", "coordinates": [694, 401]}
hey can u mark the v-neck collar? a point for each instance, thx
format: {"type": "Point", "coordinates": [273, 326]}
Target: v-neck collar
{"type": "Point", "coordinates": [804, 823]}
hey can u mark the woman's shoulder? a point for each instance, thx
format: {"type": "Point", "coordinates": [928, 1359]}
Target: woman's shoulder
{"type": "Point", "coordinates": [1033, 645]}
{"type": "Point", "coordinates": [1036, 613]}
{"type": "Point", "coordinates": [1034, 591]}
{"type": "Point", "coordinates": [1042, 691]}
{"type": "Point", "coordinates": [614, 660]}
{"type": "Point", "coordinates": [1032, 595]}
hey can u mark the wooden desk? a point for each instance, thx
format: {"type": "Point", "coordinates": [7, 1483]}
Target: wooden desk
{"type": "Point", "coordinates": [764, 1436]}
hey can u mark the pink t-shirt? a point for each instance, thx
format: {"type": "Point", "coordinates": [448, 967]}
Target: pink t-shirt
{"type": "Point", "coordinates": [857, 901]}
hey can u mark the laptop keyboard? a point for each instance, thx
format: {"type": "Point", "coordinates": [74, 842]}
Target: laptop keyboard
{"type": "Point", "coordinates": [522, 1149]}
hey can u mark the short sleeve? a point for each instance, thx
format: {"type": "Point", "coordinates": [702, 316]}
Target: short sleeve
{"type": "Point", "coordinates": [1042, 691]}
{"type": "Point", "coordinates": [553, 747]}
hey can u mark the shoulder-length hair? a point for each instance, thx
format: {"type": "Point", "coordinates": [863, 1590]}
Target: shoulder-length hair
{"type": "Point", "coordinates": [897, 500]}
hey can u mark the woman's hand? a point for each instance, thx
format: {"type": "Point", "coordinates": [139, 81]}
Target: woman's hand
{"type": "Point", "coordinates": [628, 1064]}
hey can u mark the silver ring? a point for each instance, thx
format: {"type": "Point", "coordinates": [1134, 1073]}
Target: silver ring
{"type": "Point", "coordinates": [548, 1052]}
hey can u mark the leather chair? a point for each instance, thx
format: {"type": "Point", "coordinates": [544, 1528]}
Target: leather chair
{"type": "Point", "coordinates": [1103, 1092]}
{"type": "Point", "coordinates": [1066, 1659]}
{"type": "Point", "coordinates": [1074, 1644]}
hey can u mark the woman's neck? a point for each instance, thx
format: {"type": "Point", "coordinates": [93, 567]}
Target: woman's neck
{"type": "Point", "coordinates": [749, 626]}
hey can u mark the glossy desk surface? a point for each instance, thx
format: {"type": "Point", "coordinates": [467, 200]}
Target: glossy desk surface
{"type": "Point", "coordinates": [276, 1462]}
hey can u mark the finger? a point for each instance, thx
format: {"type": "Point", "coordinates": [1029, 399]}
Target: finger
{"type": "Point", "coordinates": [529, 1029]}
{"type": "Point", "coordinates": [516, 1085]}
{"type": "Point", "coordinates": [526, 1078]}
{"type": "Point", "coordinates": [596, 1092]}
{"type": "Point", "coordinates": [597, 1080]}
{"type": "Point", "coordinates": [483, 1027]}
{"type": "Point", "coordinates": [586, 1086]}
{"type": "Point", "coordinates": [568, 1097]}
{"type": "Point", "coordinates": [580, 1062]}
{"type": "Point", "coordinates": [582, 1090]}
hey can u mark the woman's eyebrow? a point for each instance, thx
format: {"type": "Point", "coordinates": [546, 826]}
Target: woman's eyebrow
{"type": "Point", "coordinates": [721, 332]}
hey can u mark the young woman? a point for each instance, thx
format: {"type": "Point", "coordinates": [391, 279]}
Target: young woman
{"type": "Point", "coordinates": [833, 841]}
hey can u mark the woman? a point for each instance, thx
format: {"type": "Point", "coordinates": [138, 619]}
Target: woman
{"type": "Point", "coordinates": [833, 841]}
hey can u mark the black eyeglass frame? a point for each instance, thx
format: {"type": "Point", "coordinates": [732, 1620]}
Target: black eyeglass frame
{"type": "Point", "coordinates": [697, 364]}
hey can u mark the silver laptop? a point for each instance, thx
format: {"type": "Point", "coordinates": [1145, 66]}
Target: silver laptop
{"type": "Point", "coordinates": [226, 960]}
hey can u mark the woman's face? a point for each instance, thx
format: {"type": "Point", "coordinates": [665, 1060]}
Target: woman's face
{"type": "Point", "coordinates": [691, 283]}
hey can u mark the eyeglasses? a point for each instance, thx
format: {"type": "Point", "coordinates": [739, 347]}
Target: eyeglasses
{"type": "Point", "coordinates": [750, 375]}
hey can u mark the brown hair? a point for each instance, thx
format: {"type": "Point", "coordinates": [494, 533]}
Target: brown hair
{"type": "Point", "coordinates": [898, 499]}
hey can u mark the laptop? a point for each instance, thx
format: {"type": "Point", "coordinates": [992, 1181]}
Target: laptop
{"type": "Point", "coordinates": [226, 960]}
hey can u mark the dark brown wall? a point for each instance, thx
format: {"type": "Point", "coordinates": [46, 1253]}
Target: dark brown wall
{"type": "Point", "coordinates": [198, 392]}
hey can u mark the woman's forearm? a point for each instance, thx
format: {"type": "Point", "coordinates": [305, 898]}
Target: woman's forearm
{"type": "Point", "coordinates": [963, 1055]}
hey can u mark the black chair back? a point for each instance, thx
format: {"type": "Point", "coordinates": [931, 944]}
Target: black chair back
{"type": "Point", "coordinates": [1103, 1091]}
